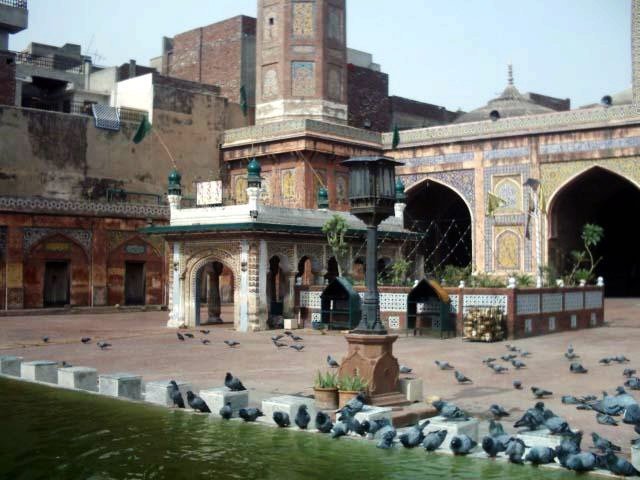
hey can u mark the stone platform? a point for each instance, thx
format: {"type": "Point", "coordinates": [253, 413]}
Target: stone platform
{"type": "Point", "coordinates": [216, 398]}
{"type": "Point", "coordinates": [540, 438]}
{"type": "Point", "coordinates": [40, 371]}
{"type": "Point", "coordinates": [10, 365]}
{"type": "Point", "coordinates": [158, 392]}
{"type": "Point", "coordinates": [469, 427]}
{"type": "Point", "coordinates": [79, 378]}
{"type": "Point", "coordinates": [288, 404]}
{"type": "Point", "coordinates": [125, 385]}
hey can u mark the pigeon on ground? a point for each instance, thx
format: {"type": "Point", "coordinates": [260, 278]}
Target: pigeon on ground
{"type": "Point", "coordinates": [570, 443]}
{"type": "Point", "coordinates": [190, 335]}
{"type": "Point", "coordinates": [620, 359]}
{"type": "Point", "coordinates": [433, 440]}
{"type": "Point", "coordinates": [579, 462]}
{"type": "Point", "coordinates": [525, 353]}
{"type": "Point", "coordinates": [331, 362]}
{"type": "Point", "coordinates": [517, 364]}
{"type": "Point", "coordinates": [354, 405]}
{"type": "Point", "coordinates": [533, 418]}
{"type": "Point", "coordinates": [278, 344]}
{"type": "Point", "coordinates": [462, 444]}
{"type": "Point", "coordinates": [339, 429]}
{"type": "Point", "coordinates": [275, 338]}
{"type": "Point", "coordinates": [515, 450]}
{"type": "Point", "coordinates": [233, 383]}
{"type": "Point", "coordinates": [296, 338]}
{"type": "Point", "coordinates": [636, 442]}
{"type": "Point", "coordinates": [571, 356]}
{"type": "Point", "coordinates": [576, 367]}
{"type": "Point", "coordinates": [281, 419]}
{"type": "Point", "coordinates": [205, 332]}
{"type": "Point", "coordinates": [499, 368]}
{"type": "Point", "coordinates": [197, 403]}
{"type": "Point", "coordinates": [232, 343]}
{"type": "Point", "coordinates": [444, 365]}
{"type": "Point", "coordinates": [605, 361]}
{"type": "Point", "coordinates": [386, 440]}
{"type": "Point", "coordinates": [629, 372]}
{"type": "Point", "coordinates": [180, 336]}
{"type": "Point", "coordinates": [619, 466]}
{"type": "Point", "coordinates": [45, 339]}
{"type": "Point", "coordinates": [88, 339]}
{"type": "Point", "coordinates": [495, 429]}
{"type": "Point", "coordinates": [323, 422]}
{"type": "Point", "coordinates": [297, 347]}
{"type": "Point", "coordinates": [176, 396]}
{"type": "Point", "coordinates": [632, 414]}
{"type": "Point", "coordinates": [623, 399]}
{"type": "Point", "coordinates": [494, 445]}
{"type": "Point", "coordinates": [66, 365]}
{"type": "Point", "coordinates": [633, 383]}
{"type": "Point", "coordinates": [517, 384]}
{"type": "Point", "coordinates": [357, 427]}
{"type": "Point", "coordinates": [539, 392]}
{"type": "Point", "coordinates": [557, 425]}
{"type": "Point", "coordinates": [449, 411]}
{"type": "Point", "coordinates": [540, 455]}
{"type": "Point", "coordinates": [288, 332]}
{"type": "Point", "coordinates": [103, 345]}
{"type": "Point", "coordinates": [405, 369]}
{"type": "Point", "coordinates": [570, 400]}
{"type": "Point", "coordinates": [302, 417]}
{"type": "Point", "coordinates": [250, 414]}
{"type": "Point", "coordinates": [414, 436]}
{"type": "Point", "coordinates": [603, 419]}
{"type": "Point", "coordinates": [498, 411]}
{"type": "Point", "coordinates": [461, 378]}
{"type": "Point", "coordinates": [226, 412]}
{"type": "Point", "coordinates": [603, 444]}
{"type": "Point", "coordinates": [489, 360]}
{"type": "Point", "coordinates": [205, 341]}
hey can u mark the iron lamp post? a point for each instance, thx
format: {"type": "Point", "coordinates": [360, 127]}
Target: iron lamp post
{"type": "Point", "coordinates": [372, 195]}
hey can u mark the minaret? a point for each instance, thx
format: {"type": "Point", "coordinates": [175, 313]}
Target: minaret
{"type": "Point", "coordinates": [301, 61]}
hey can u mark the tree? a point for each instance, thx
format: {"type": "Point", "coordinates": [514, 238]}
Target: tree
{"type": "Point", "coordinates": [335, 229]}
{"type": "Point", "coordinates": [584, 261]}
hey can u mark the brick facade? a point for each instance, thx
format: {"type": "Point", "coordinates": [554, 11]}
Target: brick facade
{"type": "Point", "coordinates": [7, 78]}
{"type": "Point", "coordinates": [368, 96]}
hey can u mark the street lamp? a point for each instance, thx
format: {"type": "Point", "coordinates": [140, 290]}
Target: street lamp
{"type": "Point", "coordinates": [372, 195]}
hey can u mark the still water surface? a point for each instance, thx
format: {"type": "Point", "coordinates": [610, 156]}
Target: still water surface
{"type": "Point", "coordinates": [50, 433]}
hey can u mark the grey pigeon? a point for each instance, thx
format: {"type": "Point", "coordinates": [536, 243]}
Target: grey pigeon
{"type": "Point", "coordinates": [205, 341]}
{"type": "Point", "coordinates": [197, 403]}
{"type": "Point", "coordinates": [517, 384]}
{"type": "Point", "coordinates": [629, 372]}
{"type": "Point", "coordinates": [462, 444]}
{"type": "Point", "coordinates": [449, 411]}
{"type": "Point", "coordinates": [524, 353]}
{"type": "Point", "coordinates": [190, 335]}
{"type": "Point", "coordinates": [88, 339]}
{"type": "Point", "coordinates": [623, 399]}
{"type": "Point", "coordinates": [103, 345]}
{"type": "Point", "coordinates": [302, 417]}
{"type": "Point", "coordinates": [495, 428]}
{"type": "Point", "coordinates": [226, 412]}
{"type": "Point", "coordinates": [45, 339]}
{"type": "Point", "coordinates": [373, 426]}
{"type": "Point", "coordinates": [619, 466]}
{"type": "Point", "coordinates": [579, 462]}
{"type": "Point", "coordinates": [405, 369]}
{"type": "Point", "coordinates": [636, 442]}
{"type": "Point", "coordinates": [386, 440]}
{"type": "Point", "coordinates": [540, 392]}
{"type": "Point", "coordinates": [603, 444]}
{"type": "Point", "coordinates": [511, 348]}
{"type": "Point", "coordinates": [508, 358]}
{"type": "Point", "coordinates": [205, 332]}
{"type": "Point", "coordinates": [414, 436]}
{"type": "Point", "coordinates": [603, 419]}
{"type": "Point", "coordinates": [494, 445]}
{"type": "Point", "coordinates": [180, 336]}
{"type": "Point", "coordinates": [570, 400]}
{"type": "Point", "coordinates": [250, 414]}
{"type": "Point", "coordinates": [279, 344]}
{"type": "Point", "coordinates": [233, 383]}
{"type": "Point", "coordinates": [443, 365]}
{"type": "Point", "coordinates": [433, 440]}
{"type": "Point", "coordinates": [605, 361]}
{"type": "Point", "coordinates": [331, 362]}
{"type": "Point", "coordinates": [518, 364]}
{"type": "Point", "coordinates": [275, 338]}
{"type": "Point", "coordinates": [540, 455]}
{"type": "Point", "coordinates": [461, 378]}
{"type": "Point", "coordinates": [633, 383]}
{"type": "Point", "coordinates": [632, 414]}
{"type": "Point", "coordinates": [339, 429]}
{"type": "Point", "coordinates": [176, 396]}
{"type": "Point", "coordinates": [620, 359]}
{"type": "Point", "coordinates": [288, 332]}
{"type": "Point", "coordinates": [570, 443]}
{"type": "Point", "coordinates": [297, 347]}
{"type": "Point", "coordinates": [557, 425]}
{"type": "Point", "coordinates": [489, 360]}
{"type": "Point", "coordinates": [323, 422]}
{"type": "Point", "coordinates": [65, 364]}
{"type": "Point", "coordinates": [232, 343]}
{"type": "Point", "coordinates": [515, 450]}
{"type": "Point", "coordinates": [499, 368]}
{"type": "Point", "coordinates": [498, 411]}
{"type": "Point", "coordinates": [296, 338]}
{"type": "Point", "coordinates": [354, 405]}
{"type": "Point", "coordinates": [636, 428]}
{"type": "Point", "coordinates": [576, 367]}
{"type": "Point", "coordinates": [571, 356]}
{"type": "Point", "coordinates": [357, 427]}
{"type": "Point", "coordinates": [533, 418]}
{"type": "Point", "coordinates": [282, 419]}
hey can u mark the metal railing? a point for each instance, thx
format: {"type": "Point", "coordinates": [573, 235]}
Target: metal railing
{"type": "Point", "coordinates": [119, 195]}
{"type": "Point", "coordinates": [15, 3]}
{"type": "Point", "coordinates": [80, 108]}
{"type": "Point", "coordinates": [63, 64]}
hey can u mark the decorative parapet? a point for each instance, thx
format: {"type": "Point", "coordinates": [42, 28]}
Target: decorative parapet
{"type": "Point", "coordinates": [82, 207]}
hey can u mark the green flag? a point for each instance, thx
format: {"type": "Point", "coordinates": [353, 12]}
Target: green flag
{"type": "Point", "coordinates": [493, 203]}
{"type": "Point", "coordinates": [396, 137]}
{"type": "Point", "coordinates": [244, 105]}
{"type": "Point", "coordinates": [143, 129]}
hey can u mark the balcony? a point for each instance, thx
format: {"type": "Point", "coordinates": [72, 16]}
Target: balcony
{"type": "Point", "coordinates": [50, 63]}
{"type": "Point", "coordinates": [84, 108]}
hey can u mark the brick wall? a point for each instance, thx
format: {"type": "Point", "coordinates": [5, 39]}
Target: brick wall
{"type": "Point", "coordinates": [407, 113]}
{"type": "Point", "coordinates": [368, 93]}
{"type": "Point", "coordinates": [7, 78]}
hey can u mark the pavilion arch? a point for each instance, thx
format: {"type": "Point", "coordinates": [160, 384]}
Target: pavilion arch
{"type": "Point", "coordinates": [444, 214]}
{"type": "Point", "coordinates": [601, 196]}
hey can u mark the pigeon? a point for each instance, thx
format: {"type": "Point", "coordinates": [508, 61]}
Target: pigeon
{"type": "Point", "coordinates": [511, 348]}
{"type": "Point", "coordinates": [619, 466]}
{"type": "Point", "coordinates": [302, 417]}
{"type": "Point", "coordinates": [605, 361]}
{"type": "Point", "coordinates": [88, 339]}
{"type": "Point", "coordinates": [633, 383]}
{"type": "Point", "coordinates": [515, 450]}
{"type": "Point", "coordinates": [517, 364]}
{"type": "Point", "coordinates": [233, 383]}
{"type": "Point", "coordinates": [533, 418]}
{"type": "Point", "coordinates": [414, 436]}
{"type": "Point", "coordinates": [386, 440]}
{"type": "Point", "coordinates": [405, 369]}
{"type": "Point", "coordinates": [190, 335]}
{"type": "Point", "coordinates": [278, 344]}
{"type": "Point", "coordinates": [66, 365]}
{"type": "Point", "coordinates": [449, 411]}
{"type": "Point", "coordinates": [495, 429]}
{"type": "Point", "coordinates": [373, 426]}
{"type": "Point", "coordinates": [296, 338]}
{"type": "Point", "coordinates": [250, 414]}
{"type": "Point", "coordinates": [331, 362]}
{"type": "Point", "coordinates": [636, 442]}
{"type": "Point", "coordinates": [204, 332]}
{"type": "Point", "coordinates": [433, 440]}
{"type": "Point", "coordinates": [461, 378]}
{"type": "Point", "coordinates": [226, 412]}
{"type": "Point", "coordinates": [570, 348]}
{"type": "Point", "coordinates": [205, 341]}
{"type": "Point", "coordinates": [498, 411]}
{"type": "Point", "coordinates": [357, 427]}
{"type": "Point", "coordinates": [576, 367]}
{"type": "Point", "coordinates": [103, 345]}
{"type": "Point", "coordinates": [281, 419]}
{"type": "Point", "coordinates": [571, 356]}
{"type": "Point", "coordinates": [508, 358]}
{"type": "Point", "coordinates": [180, 336]}
{"type": "Point", "coordinates": [444, 365]}
{"type": "Point", "coordinates": [45, 339]}
{"type": "Point", "coordinates": [323, 422]}
{"type": "Point", "coordinates": [339, 429]}
{"type": "Point", "coordinates": [354, 405]}
{"type": "Point", "coordinates": [197, 403]}
{"type": "Point", "coordinates": [539, 392]}
{"type": "Point", "coordinates": [176, 396]}
{"type": "Point", "coordinates": [499, 368]}
{"type": "Point", "coordinates": [462, 444]}
{"type": "Point", "coordinates": [623, 399]}
{"type": "Point", "coordinates": [557, 425]}
{"type": "Point", "coordinates": [632, 414]}
{"type": "Point", "coordinates": [603, 444]}
{"type": "Point", "coordinates": [629, 372]}
{"type": "Point", "coordinates": [275, 338]}
{"type": "Point", "coordinates": [525, 353]}
{"type": "Point", "coordinates": [620, 359]}
{"type": "Point", "coordinates": [570, 443]}
{"type": "Point", "coordinates": [570, 400]}
{"type": "Point", "coordinates": [288, 333]}
{"type": "Point", "coordinates": [232, 343]}
{"type": "Point", "coordinates": [489, 360]}
{"type": "Point", "coordinates": [579, 462]}
{"type": "Point", "coordinates": [540, 455]}
{"type": "Point", "coordinates": [603, 419]}
{"type": "Point", "coordinates": [297, 347]}
{"type": "Point", "coordinates": [517, 384]}
{"type": "Point", "coordinates": [494, 445]}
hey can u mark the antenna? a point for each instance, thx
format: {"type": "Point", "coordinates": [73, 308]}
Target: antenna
{"type": "Point", "coordinates": [95, 55]}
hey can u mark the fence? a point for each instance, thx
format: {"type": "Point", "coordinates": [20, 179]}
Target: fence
{"type": "Point", "coordinates": [81, 108]}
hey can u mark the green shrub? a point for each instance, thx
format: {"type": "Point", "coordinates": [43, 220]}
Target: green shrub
{"type": "Point", "coordinates": [326, 380]}
{"type": "Point", "coordinates": [353, 383]}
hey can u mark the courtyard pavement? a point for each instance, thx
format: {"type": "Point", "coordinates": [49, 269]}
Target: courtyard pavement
{"type": "Point", "coordinates": [143, 345]}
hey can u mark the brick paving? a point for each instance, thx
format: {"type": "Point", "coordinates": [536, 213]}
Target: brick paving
{"type": "Point", "coordinates": [143, 345]}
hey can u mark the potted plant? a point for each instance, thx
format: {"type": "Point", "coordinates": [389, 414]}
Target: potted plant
{"type": "Point", "coordinates": [325, 390]}
{"type": "Point", "coordinates": [349, 386]}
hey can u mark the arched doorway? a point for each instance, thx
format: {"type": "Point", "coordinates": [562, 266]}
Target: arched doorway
{"type": "Point", "coordinates": [304, 275]}
{"type": "Point", "coordinates": [277, 291]}
{"type": "Point", "coordinates": [442, 215]}
{"type": "Point", "coordinates": [214, 294]}
{"type": "Point", "coordinates": [600, 197]}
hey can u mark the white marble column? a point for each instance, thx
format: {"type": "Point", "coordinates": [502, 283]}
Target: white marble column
{"type": "Point", "coordinates": [176, 315]}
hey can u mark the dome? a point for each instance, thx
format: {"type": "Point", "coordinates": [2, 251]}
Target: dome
{"type": "Point", "coordinates": [511, 103]}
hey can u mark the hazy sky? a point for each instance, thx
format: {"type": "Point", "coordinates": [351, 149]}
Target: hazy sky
{"type": "Point", "coordinates": [448, 52]}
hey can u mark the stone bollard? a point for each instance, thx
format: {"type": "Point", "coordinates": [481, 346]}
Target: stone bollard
{"type": "Point", "coordinates": [288, 404]}
{"type": "Point", "coordinates": [216, 398]}
{"type": "Point", "coordinates": [125, 385]}
{"type": "Point", "coordinates": [290, 324]}
{"type": "Point", "coordinates": [540, 438]}
{"type": "Point", "coordinates": [158, 392]}
{"type": "Point", "coordinates": [469, 427]}
{"type": "Point", "coordinates": [412, 388]}
{"type": "Point", "coordinates": [370, 412]}
{"type": "Point", "coordinates": [40, 371]}
{"type": "Point", "coordinates": [10, 365]}
{"type": "Point", "coordinates": [80, 378]}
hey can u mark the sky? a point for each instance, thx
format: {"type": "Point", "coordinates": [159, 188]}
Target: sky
{"type": "Point", "coordinates": [446, 52]}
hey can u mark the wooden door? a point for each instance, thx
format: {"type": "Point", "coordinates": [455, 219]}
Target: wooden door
{"type": "Point", "coordinates": [134, 284]}
{"type": "Point", "coordinates": [56, 284]}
